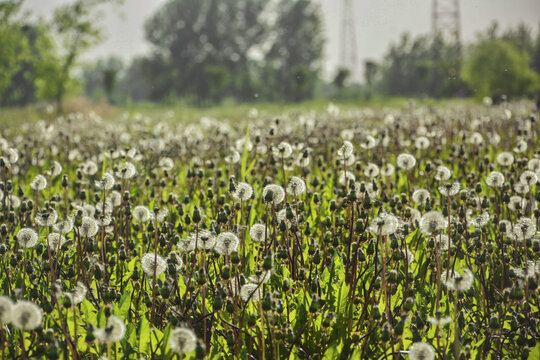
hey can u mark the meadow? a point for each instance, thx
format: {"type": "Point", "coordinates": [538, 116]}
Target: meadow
{"type": "Point", "coordinates": [320, 232]}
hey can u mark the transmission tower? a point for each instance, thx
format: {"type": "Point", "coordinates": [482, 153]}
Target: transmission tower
{"type": "Point", "coordinates": [445, 21]}
{"type": "Point", "coordinates": [348, 51]}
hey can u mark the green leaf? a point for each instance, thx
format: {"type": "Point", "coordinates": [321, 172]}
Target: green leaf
{"type": "Point", "coordinates": [244, 157]}
{"type": "Point", "coordinates": [144, 335]}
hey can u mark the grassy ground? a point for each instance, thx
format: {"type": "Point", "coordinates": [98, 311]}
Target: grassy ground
{"type": "Point", "coordinates": [233, 111]}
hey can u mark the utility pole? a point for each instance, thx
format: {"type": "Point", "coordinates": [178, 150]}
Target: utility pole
{"type": "Point", "coordinates": [446, 22]}
{"type": "Point", "coordinates": [348, 50]}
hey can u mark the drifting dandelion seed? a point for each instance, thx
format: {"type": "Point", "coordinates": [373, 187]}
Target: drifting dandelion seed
{"type": "Point", "coordinates": [26, 315]}
{"type": "Point", "coordinates": [113, 332]}
{"type": "Point", "coordinates": [149, 261]}
{"type": "Point", "coordinates": [27, 238]}
{"type": "Point", "coordinates": [182, 340]}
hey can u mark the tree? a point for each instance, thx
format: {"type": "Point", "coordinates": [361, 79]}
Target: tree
{"type": "Point", "coordinates": [101, 78]}
{"type": "Point", "coordinates": [76, 26]}
{"type": "Point", "coordinates": [297, 48]}
{"type": "Point", "coordinates": [13, 42]}
{"type": "Point", "coordinates": [209, 48]}
{"type": "Point", "coordinates": [497, 67]}
{"type": "Point", "coordinates": [192, 37]}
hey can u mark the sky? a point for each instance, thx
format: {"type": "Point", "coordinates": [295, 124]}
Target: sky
{"type": "Point", "coordinates": [378, 23]}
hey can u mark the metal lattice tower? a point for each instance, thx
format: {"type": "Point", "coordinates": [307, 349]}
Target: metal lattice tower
{"type": "Point", "coordinates": [446, 21]}
{"type": "Point", "coordinates": [348, 50]}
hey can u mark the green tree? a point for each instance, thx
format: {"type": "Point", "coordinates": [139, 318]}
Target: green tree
{"type": "Point", "coordinates": [101, 78]}
{"type": "Point", "coordinates": [77, 27]}
{"type": "Point", "coordinates": [13, 43]}
{"type": "Point", "coordinates": [296, 51]}
{"type": "Point", "coordinates": [497, 67]}
{"type": "Point", "coordinates": [193, 37]}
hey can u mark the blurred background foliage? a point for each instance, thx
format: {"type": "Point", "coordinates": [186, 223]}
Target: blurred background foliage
{"type": "Point", "coordinates": [206, 52]}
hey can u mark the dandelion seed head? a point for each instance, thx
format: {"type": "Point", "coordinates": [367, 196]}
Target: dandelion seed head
{"type": "Point", "coordinates": [432, 222]}
{"type": "Point", "coordinates": [27, 237]}
{"type": "Point", "coordinates": [296, 187]}
{"type": "Point", "coordinates": [495, 179]}
{"type": "Point", "coordinates": [182, 340]}
{"type": "Point", "coordinates": [39, 183]}
{"type": "Point", "coordinates": [149, 261]}
{"type": "Point", "coordinates": [257, 232]}
{"type": "Point", "coordinates": [406, 161]}
{"type": "Point", "coordinates": [226, 243]}
{"type": "Point", "coordinates": [250, 292]}
{"type": "Point", "coordinates": [421, 351]}
{"type": "Point", "coordinates": [26, 315]}
{"type": "Point", "coordinates": [6, 310]}
{"type": "Point", "coordinates": [243, 192]}
{"type": "Point", "coordinates": [141, 213]}
{"type": "Point", "coordinates": [113, 332]}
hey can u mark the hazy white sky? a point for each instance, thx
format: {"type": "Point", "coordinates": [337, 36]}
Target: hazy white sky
{"type": "Point", "coordinates": [378, 23]}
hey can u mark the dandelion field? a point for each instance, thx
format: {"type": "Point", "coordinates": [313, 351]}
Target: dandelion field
{"type": "Point", "coordinates": [360, 234]}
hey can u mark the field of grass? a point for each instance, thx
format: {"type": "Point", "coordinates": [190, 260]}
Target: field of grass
{"type": "Point", "coordinates": [267, 231]}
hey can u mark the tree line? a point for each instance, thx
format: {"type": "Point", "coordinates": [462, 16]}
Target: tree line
{"type": "Point", "coordinates": [205, 51]}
